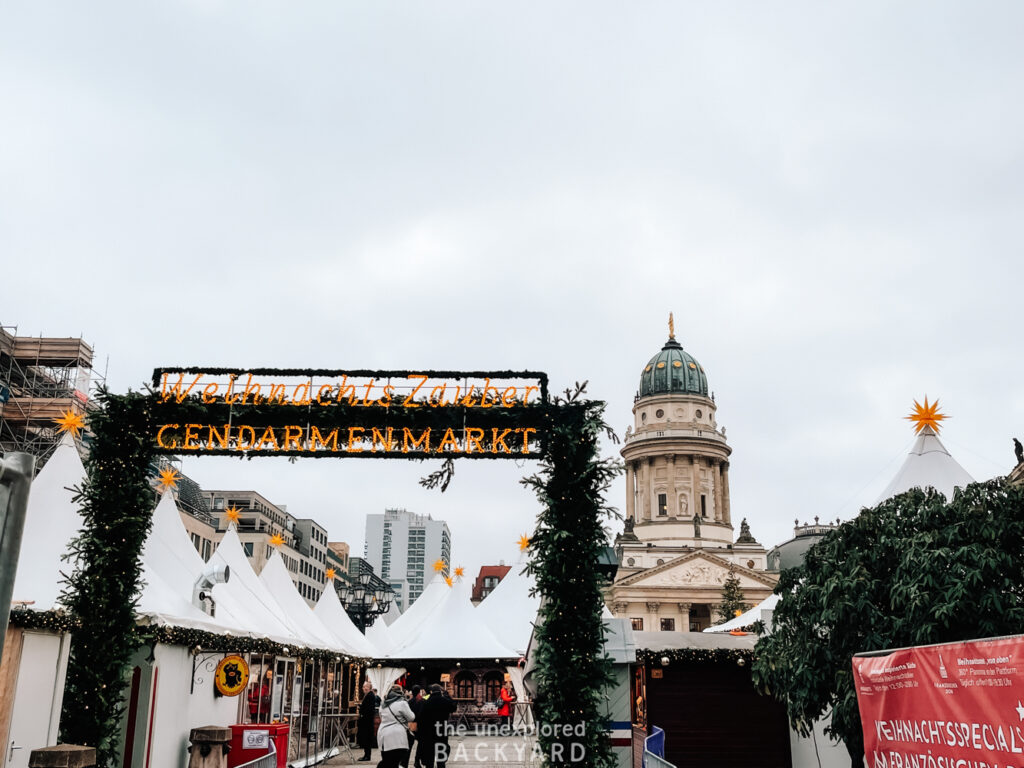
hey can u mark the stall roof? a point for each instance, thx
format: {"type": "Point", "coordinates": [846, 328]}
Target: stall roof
{"type": "Point", "coordinates": [929, 464]}
{"type": "Point", "coordinates": [510, 610]}
{"type": "Point", "coordinates": [667, 641]}
{"type": "Point", "coordinates": [329, 610]}
{"type": "Point", "coordinates": [760, 612]}
{"type": "Point", "coordinates": [51, 521]}
{"type": "Point", "coordinates": [407, 626]}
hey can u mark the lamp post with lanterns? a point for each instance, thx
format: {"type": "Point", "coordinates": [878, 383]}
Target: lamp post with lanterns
{"type": "Point", "coordinates": [363, 601]}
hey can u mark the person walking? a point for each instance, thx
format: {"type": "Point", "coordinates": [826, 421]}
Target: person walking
{"type": "Point", "coordinates": [508, 700]}
{"type": "Point", "coordinates": [365, 736]}
{"type": "Point", "coordinates": [393, 734]}
{"type": "Point", "coordinates": [416, 705]}
{"type": "Point", "coordinates": [432, 731]}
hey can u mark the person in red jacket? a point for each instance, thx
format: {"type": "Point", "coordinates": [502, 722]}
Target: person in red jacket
{"type": "Point", "coordinates": [508, 698]}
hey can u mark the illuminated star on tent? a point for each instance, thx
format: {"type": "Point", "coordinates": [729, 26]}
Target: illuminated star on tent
{"type": "Point", "coordinates": [460, 571]}
{"type": "Point", "coordinates": [276, 540]}
{"type": "Point", "coordinates": [70, 421]}
{"type": "Point", "coordinates": [439, 565]}
{"type": "Point", "coordinates": [524, 542]}
{"type": "Point", "coordinates": [232, 514]}
{"type": "Point", "coordinates": [448, 580]}
{"type": "Point", "coordinates": [329, 573]}
{"type": "Point", "coordinates": [169, 477]}
{"type": "Point", "coordinates": [926, 415]}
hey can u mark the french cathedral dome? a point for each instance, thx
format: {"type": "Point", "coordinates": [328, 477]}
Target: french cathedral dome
{"type": "Point", "coordinates": [673, 370]}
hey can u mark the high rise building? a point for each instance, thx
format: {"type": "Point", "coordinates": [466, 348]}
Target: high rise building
{"type": "Point", "coordinates": [402, 547]}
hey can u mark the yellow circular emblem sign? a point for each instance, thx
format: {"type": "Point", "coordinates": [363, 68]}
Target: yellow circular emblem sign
{"type": "Point", "coordinates": [232, 675]}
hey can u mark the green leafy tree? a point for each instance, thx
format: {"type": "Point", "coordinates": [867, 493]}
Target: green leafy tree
{"type": "Point", "coordinates": [732, 599]}
{"type": "Point", "coordinates": [912, 571]}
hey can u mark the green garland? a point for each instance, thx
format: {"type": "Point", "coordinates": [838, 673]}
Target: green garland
{"type": "Point", "coordinates": [53, 621]}
{"type": "Point", "coordinates": [572, 669]}
{"type": "Point", "coordinates": [116, 506]}
{"type": "Point", "coordinates": [209, 641]}
{"type": "Point", "coordinates": [740, 656]}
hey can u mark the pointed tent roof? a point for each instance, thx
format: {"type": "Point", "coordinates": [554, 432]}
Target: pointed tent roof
{"type": "Point", "coordinates": [295, 611]}
{"type": "Point", "coordinates": [379, 634]}
{"type": "Point", "coordinates": [170, 567]}
{"type": "Point", "coordinates": [407, 626]}
{"type": "Point", "coordinates": [455, 630]}
{"type": "Point", "coordinates": [759, 612]}
{"type": "Point", "coordinates": [244, 601]}
{"type": "Point", "coordinates": [330, 611]}
{"type": "Point", "coordinates": [929, 464]}
{"type": "Point", "coordinates": [51, 521]}
{"type": "Point", "coordinates": [510, 611]}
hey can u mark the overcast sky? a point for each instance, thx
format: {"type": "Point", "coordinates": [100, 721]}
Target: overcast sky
{"type": "Point", "coordinates": [828, 196]}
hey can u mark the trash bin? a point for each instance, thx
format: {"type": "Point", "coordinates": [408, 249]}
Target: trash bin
{"type": "Point", "coordinates": [252, 740]}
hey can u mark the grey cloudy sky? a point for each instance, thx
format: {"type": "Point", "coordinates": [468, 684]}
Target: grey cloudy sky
{"type": "Point", "coordinates": [828, 196]}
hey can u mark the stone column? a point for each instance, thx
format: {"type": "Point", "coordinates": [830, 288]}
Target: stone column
{"type": "Point", "coordinates": [684, 616]}
{"type": "Point", "coordinates": [652, 613]}
{"type": "Point", "coordinates": [725, 493]}
{"type": "Point", "coordinates": [719, 499]}
{"type": "Point", "coordinates": [64, 756]}
{"type": "Point", "coordinates": [652, 501]}
{"type": "Point", "coordinates": [695, 460]}
{"type": "Point", "coordinates": [210, 747]}
{"type": "Point", "coordinates": [671, 502]}
{"type": "Point", "coordinates": [630, 491]}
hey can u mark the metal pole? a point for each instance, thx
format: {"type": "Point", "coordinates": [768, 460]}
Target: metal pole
{"type": "Point", "coordinates": [15, 480]}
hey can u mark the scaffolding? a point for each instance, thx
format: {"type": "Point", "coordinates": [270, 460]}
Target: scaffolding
{"type": "Point", "coordinates": [40, 379]}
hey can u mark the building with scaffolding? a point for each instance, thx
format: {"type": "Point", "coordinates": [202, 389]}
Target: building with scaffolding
{"type": "Point", "coordinates": [41, 378]}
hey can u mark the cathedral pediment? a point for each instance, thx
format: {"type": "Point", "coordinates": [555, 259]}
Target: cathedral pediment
{"type": "Point", "coordinates": [696, 569]}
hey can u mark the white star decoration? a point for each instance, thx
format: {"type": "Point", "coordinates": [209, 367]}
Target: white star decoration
{"type": "Point", "coordinates": [1020, 709]}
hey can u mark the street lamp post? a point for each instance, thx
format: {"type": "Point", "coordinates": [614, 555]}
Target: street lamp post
{"type": "Point", "coordinates": [363, 602]}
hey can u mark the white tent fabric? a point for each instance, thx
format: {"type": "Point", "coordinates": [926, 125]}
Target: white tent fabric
{"type": "Point", "coordinates": [522, 709]}
{"type": "Point", "coordinates": [330, 611]}
{"type": "Point", "coordinates": [929, 464]}
{"type": "Point", "coordinates": [760, 612]}
{"type": "Point", "coordinates": [244, 601]}
{"type": "Point", "coordinates": [455, 630]}
{"type": "Point", "coordinates": [510, 610]}
{"type": "Point", "coordinates": [379, 634]}
{"type": "Point", "coordinates": [382, 678]}
{"type": "Point", "coordinates": [51, 521]}
{"type": "Point", "coordinates": [406, 627]}
{"type": "Point", "coordinates": [392, 614]}
{"type": "Point", "coordinates": [295, 612]}
{"type": "Point", "coordinates": [170, 567]}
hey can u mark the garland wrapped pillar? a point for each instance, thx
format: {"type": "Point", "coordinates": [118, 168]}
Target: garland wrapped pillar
{"type": "Point", "coordinates": [116, 503]}
{"type": "Point", "coordinates": [572, 669]}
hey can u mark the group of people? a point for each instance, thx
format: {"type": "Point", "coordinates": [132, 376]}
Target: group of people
{"type": "Point", "coordinates": [417, 718]}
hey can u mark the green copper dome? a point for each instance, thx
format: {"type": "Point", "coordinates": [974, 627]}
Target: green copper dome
{"type": "Point", "coordinates": [673, 370]}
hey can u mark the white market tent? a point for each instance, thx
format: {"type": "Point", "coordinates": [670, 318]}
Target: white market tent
{"type": "Point", "coordinates": [760, 612]}
{"type": "Point", "coordinates": [379, 635]}
{"type": "Point", "coordinates": [929, 464]}
{"type": "Point", "coordinates": [294, 610]}
{"type": "Point", "coordinates": [510, 611]}
{"type": "Point", "coordinates": [406, 627]}
{"type": "Point", "coordinates": [455, 630]}
{"type": "Point", "coordinates": [330, 612]}
{"type": "Point", "coordinates": [51, 521]}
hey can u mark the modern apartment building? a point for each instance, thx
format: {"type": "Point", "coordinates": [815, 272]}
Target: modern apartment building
{"type": "Point", "coordinates": [402, 547]}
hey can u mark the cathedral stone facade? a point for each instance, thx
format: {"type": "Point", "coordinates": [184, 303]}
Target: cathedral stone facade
{"type": "Point", "coordinates": [677, 547]}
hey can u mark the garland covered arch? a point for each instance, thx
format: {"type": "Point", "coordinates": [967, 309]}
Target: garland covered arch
{"type": "Point", "coordinates": [318, 413]}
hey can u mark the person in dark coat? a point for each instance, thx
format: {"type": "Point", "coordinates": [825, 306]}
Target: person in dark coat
{"type": "Point", "coordinates": [431, 733]}
{"type": "Point", "coordinates": [416, 705]}
{"type": "Point", "coordinates": [366, 734]}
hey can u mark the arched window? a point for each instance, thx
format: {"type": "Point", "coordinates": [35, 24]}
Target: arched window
{"type": "Point", "coordinates": [464, 682]}
{"type": "Point", "coordinates": [493, 681]}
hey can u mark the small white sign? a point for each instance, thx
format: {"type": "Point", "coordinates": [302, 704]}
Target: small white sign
{"type": "Point", "coordinates": [256, 740]}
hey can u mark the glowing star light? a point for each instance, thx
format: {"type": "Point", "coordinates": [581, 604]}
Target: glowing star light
{"type": "Point", "coordinates": [460, 571]}
{"type": "Point", "coordinates": [70, 421]}
{"type": "Point", "coordinates": [448, 580]}
{"type": "Point", "coordinates": [276, 540]}
{"type": "Point", "coordinates": [169, 477]}
{"type": "Point", "coordinates": [439, 565]}
{"type": "Point", "coordinates": [329, 573]}
{"type": "Point", "coordinates": [232, 514]}
{"type": "Point", "coordinates": [926, 415]}
{"type": "Point", "coordinates": [524, 542]}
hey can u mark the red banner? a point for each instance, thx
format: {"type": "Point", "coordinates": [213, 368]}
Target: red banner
{"type": "Point", "coordinates": [956, 705]}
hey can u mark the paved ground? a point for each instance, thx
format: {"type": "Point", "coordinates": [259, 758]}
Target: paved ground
{"type": "Point", "coordinates": [470, 749]}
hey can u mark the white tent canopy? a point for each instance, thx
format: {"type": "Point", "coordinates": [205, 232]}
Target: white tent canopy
{"type": "Point", "coordinates": [406, 627]}
{"type": "Point", "coordinates": [330, 612]}
{"type": "Point", "coordinates": [295, 611]}
{"type": "Point", "coordinates": [760, 612]}
{"type": "Point", "coordinates": [379, 634]}
{"type": "Point", "coordinates": [929, 464]}
{"type": "Point", "coordinates": [51, 521]}
{"type": "Point", "coordinates": [510, 610]}
{"type": "Point", "coordinates": [455, 630]}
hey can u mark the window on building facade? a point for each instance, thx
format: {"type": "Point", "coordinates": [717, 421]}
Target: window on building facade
{"type": "Point", "coordinates": [247, 548]}
{"type": "Point", "coordinates": [638, 624]}
{"type": "Point", "coordinates": [703, 505]}
{"type": "Point", "coordinates": [196, 541]}
{"type": "Point", "coordinates": [662, 505]}
{"type": "Point", "coordinates": [668, 625]}
{"type": "Point", "coordinates": [207, 549]}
